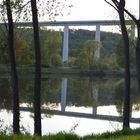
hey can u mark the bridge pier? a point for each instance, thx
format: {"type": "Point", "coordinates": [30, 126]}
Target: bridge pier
{"type": "Point", "coordinates": [97, 33]}
{"type": "Point", "coordinates": [97, 38]}
{"type": "Point", "coordinates": [65, 44]}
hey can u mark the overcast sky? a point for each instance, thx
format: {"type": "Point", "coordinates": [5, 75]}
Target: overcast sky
{"type": "Point", "coordinates": [96, 10]}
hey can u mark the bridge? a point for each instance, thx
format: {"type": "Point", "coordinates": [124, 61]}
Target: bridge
{"type": "Point", "coordinates": [67, 24]}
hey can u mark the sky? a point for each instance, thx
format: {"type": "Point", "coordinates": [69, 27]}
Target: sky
{"type": "Point", "coordinates": [96, 10]}
{"type": "Point", "coordinates": [90, 9]}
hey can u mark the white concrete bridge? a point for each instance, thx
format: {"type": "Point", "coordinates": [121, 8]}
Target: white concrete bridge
{"type": "Point", "coordinates": [67, 24]}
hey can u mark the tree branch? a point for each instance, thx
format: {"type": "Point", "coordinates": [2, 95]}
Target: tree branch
{"type": "Point", "coordinates": [132, 16]}
{"type": "Point", "coordinates": [118, 4]}
{"type": "Point", "coordinates": [23, 6]}
{"type": "Point", "coordinates": [20, 10]}
{"type": "Point", "coordinates": [111, 5]}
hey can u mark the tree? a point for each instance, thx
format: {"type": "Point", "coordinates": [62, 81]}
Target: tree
{"type": "Point", "coordinates": [88, 54]}
{"type": "Point", "coordinates": [50, 48]}
{"type": "Point", "coordinates": [37, 88]}
{"type": "Point", "coordinates": [21, 47]}
{"type": "Point", "coordinates": [14, 76]}
{"type": "Point", "coordinates": [17, 9]}
{"type": "Point", "coordinates": [120, 54]}
{"type": "Point", "coordinates": [82, 61]}
{"type": "Point", "coordinates": [51, 9]}
{"type": "Point", "coordinates": [119, 6]}
{"type": "Point", "coordinates": [47, 10]}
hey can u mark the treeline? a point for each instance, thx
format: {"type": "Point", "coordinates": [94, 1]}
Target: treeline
{"type": "Point", "coordinates": [78, 37]}
{"type": "Point", "coordinates": [111, 50]}
{"type": "Point", "coordinates": [24, 50]}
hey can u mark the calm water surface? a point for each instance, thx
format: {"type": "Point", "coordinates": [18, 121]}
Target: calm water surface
{"type": "Point", "coordinates": [80, 105]}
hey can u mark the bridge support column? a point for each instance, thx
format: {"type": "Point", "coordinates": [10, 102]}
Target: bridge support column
{"type": "Point", "coordinates": [97, 33]}
{"type": "Point", "coordinates": [63, 94]}
{"type": "Point", "coordinates": [65, 44]}
{"type": "Point", "coordinates": [97, 38]}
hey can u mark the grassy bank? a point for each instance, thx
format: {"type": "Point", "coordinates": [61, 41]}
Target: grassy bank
{"type": "Point", "coordinates": [73, 71]}
{"type": "Point", "coordinates": [127, 134]}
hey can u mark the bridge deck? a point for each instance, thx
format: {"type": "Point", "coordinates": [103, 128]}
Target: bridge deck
{"type": "Point", "coordinates": [74, 23]}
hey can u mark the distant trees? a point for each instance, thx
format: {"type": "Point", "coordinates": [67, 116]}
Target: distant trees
{"type": "Point", "coordinates": [22, 50]}
{"type": "Point", "coordinates": [51, 48]}
{"type": "Point", "coordinates": [23, 42]}
{"type": "Point", "coordinates": [87, 57]}
{"type": "Point", "coordinates": [120, 54]}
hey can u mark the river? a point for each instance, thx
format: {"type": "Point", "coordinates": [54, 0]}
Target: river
{"type": "Point", "coordinates": [82, 105]}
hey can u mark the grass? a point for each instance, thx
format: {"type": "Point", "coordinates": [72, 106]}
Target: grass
{"type": "Point", "coordinates": [126, 134]}
{"type": "Point", "coordinates": [61, 71]}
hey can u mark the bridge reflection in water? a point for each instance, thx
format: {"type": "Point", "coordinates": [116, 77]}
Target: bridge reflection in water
{"type": "Point", "coordinates": [93, 115]}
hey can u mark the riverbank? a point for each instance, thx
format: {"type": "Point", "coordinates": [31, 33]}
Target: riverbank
{"type": "Point", "coordinates": [126, 134]}
{"type": "Point", "coordinates": [72, 71]}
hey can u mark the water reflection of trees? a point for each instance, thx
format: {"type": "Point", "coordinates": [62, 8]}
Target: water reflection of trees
{"type": "Point", "coordinates": [81, 92]}
{"type": "Point", "coordinates": [135, 99]}
{"type": "Point", "coordinates": [26, 91]}
{"type": "Point", "coordinates": [5, 96]}
{"type": "Point", "coordinates": [50, 90]}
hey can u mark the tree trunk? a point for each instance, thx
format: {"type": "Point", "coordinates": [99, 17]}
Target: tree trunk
{"type": "Point", "coordinates": [14, 77]}
{"type": "Point", "coordinates": [126, 109]}
{"type": "Point", "coordinates": [37, 102]}
{"type": "Point", "coordinates": [138, 56]}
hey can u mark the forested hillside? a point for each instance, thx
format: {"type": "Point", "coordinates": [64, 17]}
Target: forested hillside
{"type": "Point", "coordinates": [51, 47]}
{"type": "Point", "coordinates": [78, 37]}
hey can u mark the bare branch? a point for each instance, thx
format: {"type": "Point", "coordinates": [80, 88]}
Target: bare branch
{"type": "Point", "coordinates": [3, 18]}
{"type": "Point", "coordinates": [116, 3]}
{"type": "Point", "coordinates": [23, 6]}
{"type": "Point", "coordinates": [132, 16]}
{"type": "Point", "coordinates": [111, 5]}
{"type": "Point", "coordinates": [121, 4]}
